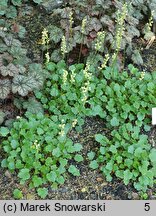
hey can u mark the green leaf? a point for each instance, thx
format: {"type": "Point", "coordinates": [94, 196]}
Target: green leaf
{"type": "Point", "coordinates": [51, 66]}
{"type": "Point", "coordinates": [114, 122]}
{"type": "Point", "coordinates": [19, 164]}
{"type": "Point", "coordinates": [99, 138]}
{"type": "Point", "coordinates": [11, 165]}
{"type": "Point", "coordinates": [79, 78]}
{"type": "Point", "coordinates": [113, 149]}
{"type": "Point", "coordinates": [136, 57]}
{"type": "Point", "coordinates": [14, 144]}
{"type": "Point", "coordinates": [152, 155]}
{"type": "Point", "coordinates": [11, 12]}
{"type": "Point", "coordinates": [119, 159]}
{"type": "Point", "coordinates": [22, 31]}
{"type": "Point", "coordinates": [138, 186]}
{"type": "Point", "coordinates": [54, 92]}
{"type": "Point", "coordinates": [131, 149]}
{"type": "Point", "coordinates": [128, 162]}
{"type": "Point", "coordinates": [61, 169]}
{"type": "Point", "coordinates": [107, 74]}
{"type": "Point", "coordinates": [129, 126]}
{"type": "Point", "coordinates": [5, 87]}
{"type": "Point", "coordinates": [24, 174]}
{"type": "Point", "coordinates": [4, 163]}
{"type": "Point", "coordinates": [91, 155]}
{"type": "Point", "coordinates": [10, 70]}
{"type": "Point", "coordinates": [55, 33]}
{"type": "Point", "coordinates": [78, 158]}
{"type": "Point", "coordinates": [136, 104]}
{"type": "Point", "coordinates": [147, 128]}
{"type": "Point", "coordinates": [119, 174]}
{"type": "Point", "coordinates": [116, 87]}
{"type": "Point", "coordinates": [109, 91]}
{"type": "Point", "coordinates": [54, 186]}
{"type": "Point", "coordinates": [108, 177]}
{"type": "Point", "coordinates": [38, 94]}
{"type": "Point", "coordinates": [4, 131]}
{"type": "Point", "coordinates": [21, 85]}
{"type": "Point", "coordinates": [17, 2]}
{"type": "Point", "coordinates": [52, 176]}
{"type": "Point", "coordinates": [144, 180]}
{"type": "Point", "coordinates": [61, 64]}
{"type": "Point", "coordinates": [102, 150]}
{"type": "Point", "coordinates": [48, 160]}
{"type": "Point", "coordinates": [109, 166]}
{"type": "Point", "coordinates": [73, 170]}
{"type": "Point", "coordinates": [127, 176]}
{"type": "Point", "coordinates": [93, 23]}
{"type": "Point", "coordinates": [72, 68]}
{"type": "Point", "coordinates": [56, 152]}
{"type": "Point", "coordinates": [56, 55]}
{"type": "Point", "coordinates": [151, 86]}
{"type": "Point", "coordinates": [42, 192]}
{"type": "Point", "coordinates": [40, 131]}
{"type": "Point", "coordinates": [138, 152]}
{"type": "Point", "coordinates": [35, 79]}
{"type": "Point", "coordinates": [128, 84]}
{"type": "Point", "coordinates": [78, 37]}
{"type": "Point", "coordinates": [144, 167]}
{"type": "Point", "coordinates": [33, 106]}
{"type": "Point", "coordinates": [60, 180]}
{"type": "Point", "coordinates": [93, 164]}
{"type": "Point", "coordinates": [17, 194]}
{"type": "Point", "coordinates": [97, 110]}
{"type": "Point", "coordinates": [140, 116]}
{"type": "Point", "coordinates": [63, 162]}
{"type": "Point", "coordinates": [2, 115]}
{"type": "Point", "coordinates": [3, 5]}
{"type": "Point", "coordinates": [77, 147]}
{"type": "Point", "coordinates": [37, 1]}
{"type": "Point", "coordinates": [37, 181]}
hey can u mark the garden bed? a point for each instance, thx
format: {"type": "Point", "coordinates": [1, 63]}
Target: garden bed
{"type": "Point", "coordinates": [91, 185]}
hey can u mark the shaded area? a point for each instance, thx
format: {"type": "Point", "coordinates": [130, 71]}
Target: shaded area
{"type": "Point", "coordinates": [90, 185]}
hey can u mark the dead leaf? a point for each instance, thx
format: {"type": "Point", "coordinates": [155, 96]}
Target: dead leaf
{"type": "Point", "coordinates": [15, 28]}
{"type": "Point", "coordinates": [99, 179]}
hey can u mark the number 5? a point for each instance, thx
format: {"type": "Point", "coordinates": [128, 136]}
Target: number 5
{"type": "Point", "coordinates": [147, 207]}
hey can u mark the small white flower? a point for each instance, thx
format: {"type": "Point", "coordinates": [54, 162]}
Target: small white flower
{"type": "Point", "coordinates": [74, 123]}
{"type": "Point", "coordinates": [47, 57]}
{"type": "Point", "coordinates": [64, 77]}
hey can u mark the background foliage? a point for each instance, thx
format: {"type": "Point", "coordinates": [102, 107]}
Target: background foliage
{"type": "Point", "coordinates": [124, 102]}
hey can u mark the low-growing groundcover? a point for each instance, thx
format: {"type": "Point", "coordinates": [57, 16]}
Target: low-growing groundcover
{"type": "Point", "coordinates": [38, 148]}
